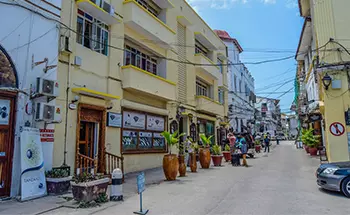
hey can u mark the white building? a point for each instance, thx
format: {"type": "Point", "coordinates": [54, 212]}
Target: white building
{"type": "Point", "coordinates": [29, 38]}
{"type": "Point", "coordinates": [269, 119]}
{"type": "Point", "coordinates": [241, 95]}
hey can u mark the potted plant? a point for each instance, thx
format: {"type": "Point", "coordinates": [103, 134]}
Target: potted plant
{"type": "Point", "coordinates": [170, 161]}
{"type": "Point", "coordinates": [204, 151]}
{"type": "Point", "coordinates": [217, 155]}
{"type": "Point", "coordinates": [311, 141]}
{"type": "Point", "coordinates": [257, 146]}
{"type": "Point", "coordinates": [58, 180]}
{"type": "Point", "coordinates": [87, 187]}
{"type": "Point", "coordinates": [193, 150]}
{"type": "Point", "coordinates": [227, 153]}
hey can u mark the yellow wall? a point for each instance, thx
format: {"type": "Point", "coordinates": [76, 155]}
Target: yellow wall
{"type": "Point", "coordinates": [331, 21]}
{"type": "Point", "coordinates": [104, 74]}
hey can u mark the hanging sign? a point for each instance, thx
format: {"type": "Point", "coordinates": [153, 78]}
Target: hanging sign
{"type": "Point", "coordinates": [337, 129]}
{"type": "Point", "coordinates": [33, 181]}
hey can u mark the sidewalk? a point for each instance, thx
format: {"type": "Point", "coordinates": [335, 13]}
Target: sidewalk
{"type": "Point", "coordinates": [49, 204]}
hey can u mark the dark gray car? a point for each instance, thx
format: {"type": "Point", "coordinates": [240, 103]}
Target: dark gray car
{"type": "Point", "coordinates": [335, 176]}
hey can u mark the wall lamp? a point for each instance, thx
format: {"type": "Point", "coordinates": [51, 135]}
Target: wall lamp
{"type": "Point", "coordinates": [326, 80]}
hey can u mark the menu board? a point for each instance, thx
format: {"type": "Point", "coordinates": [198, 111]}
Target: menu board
{"type": "Point", "coordinates": [134, 120]}
{"type": "Point", "coordinates": [155, 123]}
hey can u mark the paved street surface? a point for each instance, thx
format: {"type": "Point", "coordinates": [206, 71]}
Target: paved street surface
{"type": "Point", "coordinates": [282, 183]}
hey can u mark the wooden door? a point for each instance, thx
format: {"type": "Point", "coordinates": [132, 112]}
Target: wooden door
{"type": "Point", "coordinates": [6, 143]}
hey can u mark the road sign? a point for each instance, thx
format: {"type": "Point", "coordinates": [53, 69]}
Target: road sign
{"type": "Point", "coordinates": [140, 189]}
{"type": "Point", "coordinates": [337, 129]}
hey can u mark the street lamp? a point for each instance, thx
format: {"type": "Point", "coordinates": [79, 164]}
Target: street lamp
{"type": "Point", "coordinates": [326, 80]}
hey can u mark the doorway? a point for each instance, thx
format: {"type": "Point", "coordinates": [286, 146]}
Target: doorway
{"type": "Point", "coordinates": [90, 151]}
{"type": "Point", "coordinates": [6, 143]}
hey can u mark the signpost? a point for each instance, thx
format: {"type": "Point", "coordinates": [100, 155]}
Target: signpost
{"type": "Point", "coordinates": [140, 189]}
{"type": "Point", "coordinates": [337, 129]}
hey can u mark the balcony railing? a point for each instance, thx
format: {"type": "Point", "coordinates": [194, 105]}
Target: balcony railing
{"type": "Point", "coordinates": [100, 10]}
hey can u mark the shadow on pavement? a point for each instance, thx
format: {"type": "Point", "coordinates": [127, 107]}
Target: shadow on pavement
{"type": "Point", "coordinates": [332, 193]}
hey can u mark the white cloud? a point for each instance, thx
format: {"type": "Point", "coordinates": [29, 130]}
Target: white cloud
{"type": "Point", "coordinates": [215, 4]}
{"type": "Point", "coordinates": [292, 3]}
{"type": "Point", "coordinates": [269, 1]}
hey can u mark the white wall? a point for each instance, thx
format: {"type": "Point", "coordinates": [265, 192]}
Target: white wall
{"type": "Point", "coordinates": [25, 35]}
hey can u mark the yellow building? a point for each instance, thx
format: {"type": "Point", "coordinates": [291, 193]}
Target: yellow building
{"type": "Point", "coordinates": [129, 70]}
{"type": "Point", "coordinates": [327, 24]}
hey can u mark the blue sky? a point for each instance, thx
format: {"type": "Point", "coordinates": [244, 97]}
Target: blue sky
{"type": "Point", "coordinates": [260, 26]}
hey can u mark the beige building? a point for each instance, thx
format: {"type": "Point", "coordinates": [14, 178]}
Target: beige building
{"type": "Point", "coordinates": [129, 70]}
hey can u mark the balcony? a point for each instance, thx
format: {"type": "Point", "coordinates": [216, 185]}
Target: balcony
{"type": "Point", "coordinates": [139, 19]}
{"type": "Point", "coordinates": [105, 12]}
{"type": "Point", "coordinates": [207, 105]}
{"type": "Point", "coordinates": [207, 66]}
{"type": "Point", "coordinates": [140, 81]}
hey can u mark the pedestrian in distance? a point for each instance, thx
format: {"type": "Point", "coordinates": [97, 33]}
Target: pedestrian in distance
{"type": "Point", "coordinates": [243, 146]}
{"type": "Point", "coordinates": [267, 143]}
{"type": "Point", "coordinates": [232, 139]}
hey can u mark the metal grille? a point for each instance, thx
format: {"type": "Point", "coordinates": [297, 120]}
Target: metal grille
{"type": "Point", "coordinates": [182, 79]}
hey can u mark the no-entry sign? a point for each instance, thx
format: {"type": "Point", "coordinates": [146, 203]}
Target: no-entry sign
{"type": "Point", "coordinates": [337, 129]}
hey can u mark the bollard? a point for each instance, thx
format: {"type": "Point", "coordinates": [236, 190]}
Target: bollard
{"type": "Point", "coordinates": [117, 185]}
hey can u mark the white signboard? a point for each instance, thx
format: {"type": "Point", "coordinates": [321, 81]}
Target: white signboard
{"type": "Point", "coordinates": [114, 119]}
{"type": "Point", "coordinates": [155, 123]}
{"type": "Point", "coordinates": [47, 139]}
{"type": "Point", "coordinates": [33, 181]}
{"type": "Point", "coordinates": [134, 120]}
{"type": "Point", "coordinates": [4, 112]}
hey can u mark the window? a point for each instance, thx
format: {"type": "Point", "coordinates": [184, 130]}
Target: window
{"type": "Point", "coordinates": [220, 65]}
{"type": "Point", "coordinates": [142, 132]}
{"type": "Point", "coordinates": [92, 33]}
{"type": "Point", "coordinates": [134, 57]}
{"type": "Point", "coordinates": [150, 7]}
{"type": "Point", "coordinates": [240, 86]}
{"type": "Point", "coordinates": [235, 83]}
{"type": "Point", "coordinates": [202, 89]}
{"type": "Point", "coordinates": [200, 49]}
{"type": "Point", "coordinates": [221, 96]}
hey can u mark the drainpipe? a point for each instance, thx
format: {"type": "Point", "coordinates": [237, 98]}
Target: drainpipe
{"type": "Point", "coordinates": [67, 90]}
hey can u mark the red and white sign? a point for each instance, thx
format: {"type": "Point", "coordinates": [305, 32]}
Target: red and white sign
{"type": "Point", "coordinates": [337, 129]}
{"type": "Point", "coordinates": [47, 135]}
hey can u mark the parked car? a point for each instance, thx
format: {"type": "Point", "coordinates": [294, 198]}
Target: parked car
{"type": "Point", "coordinates": [334, 176]}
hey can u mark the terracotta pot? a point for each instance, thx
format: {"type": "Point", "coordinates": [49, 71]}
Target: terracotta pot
{"type": "Point", "coordinates": [57, 186]}
{"type": "Point", "coordinates": [257, 148]}
{"type": "Point", "coordinates": [313, 151]}
{"type": "Point", "coordinates": [182, 166]}
{"type": "Point", "coordinates": [170, 166]}
{"type": "Point", "coordinates": [217, 159]}
{"type": "Point", "coordinates": [307, 149]}
{"type": "Point", "coordinates": [204, 158]}
{"type": "Point", "coordinates": [193, 162]}
{"type": "Point", "coordinates": [227, 156]}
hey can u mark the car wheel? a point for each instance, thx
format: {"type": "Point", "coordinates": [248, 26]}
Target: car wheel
{"type": "Point", "coordinates": [345, 187]}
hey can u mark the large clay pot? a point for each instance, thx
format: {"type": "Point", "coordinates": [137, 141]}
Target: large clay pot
{"type": "Point", "coordinates": [193, 162]}
{"type": "Point", "coordinates": [313, 151]}
{"type": "Point", "coordinates": [227, 156]}
{"type": "Point", "coordinates": [307, 149]}
{"type": "Point", "coordinates": [182, 166]}
{"type": "Point", "coordinates": [170, 166]}
{"type": "Point", "coordinates": [204, 157]}
{"type": "Point", "coordinates": [217, 159]}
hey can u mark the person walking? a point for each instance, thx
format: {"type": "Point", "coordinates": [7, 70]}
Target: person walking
{"type": "Point", "coordinates": [243, 146]}
{"type": "Point", "coordinates": [232, 139]}
{"type": "Point", "coordinates": [267, 143]}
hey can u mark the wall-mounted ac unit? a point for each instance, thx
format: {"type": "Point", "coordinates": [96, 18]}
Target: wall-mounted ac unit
{"type": "Point", "coordinates": [65, 44]}
{"type": "Point", "coordinates": [48, 113]}
{"type": "Point", "coordinates": [47, 87]}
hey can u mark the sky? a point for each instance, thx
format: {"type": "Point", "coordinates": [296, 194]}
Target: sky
{"type": "Point", "coordinates": [266, 29]}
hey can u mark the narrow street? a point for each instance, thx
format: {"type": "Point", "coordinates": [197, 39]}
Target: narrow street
{"type": "Point", "coordinates": [282, 183]}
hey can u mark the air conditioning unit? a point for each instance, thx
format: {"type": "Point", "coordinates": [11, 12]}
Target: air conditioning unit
{"type": "Point", "coordinates": [48, 113]}
{"type": "Point", "coordinates": [65, 44]}
{"type": "Point", "coordinates": [47, 87]}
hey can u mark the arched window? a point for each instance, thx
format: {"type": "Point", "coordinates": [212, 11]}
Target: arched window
{"type": "Point", "coordinates": [7, 70]}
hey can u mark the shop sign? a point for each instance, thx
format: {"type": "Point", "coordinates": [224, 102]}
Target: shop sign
{"type": "Point", "coordinates": [33, 183]}
{"type": "Point", "coordinates": [155, 123]}
{"type": "Point", "coordinates": [337, 129]}
{"type": "Point", "coordinates": [114, 120]}
{"type": "Point", "coordinates": [47, 137]}
{"type": "Point", "coordinates": [134, 120]}
{"type": "Point", "coordinates": [4, 112]}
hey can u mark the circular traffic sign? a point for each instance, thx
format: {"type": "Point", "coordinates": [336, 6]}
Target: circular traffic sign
{"type": "Point", "coordinates": [337, 129]}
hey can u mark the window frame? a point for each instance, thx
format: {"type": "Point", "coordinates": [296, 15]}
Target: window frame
{"type": "Point", "coordinates": [221, 93]}
{"type": "Point", "coordinates": [202, 86]}
{"type": "Point", "coordinates": [220, 64]}
{"type": "Point", "coordinates": [201, 49]}
{"type": "Point", "coordinates": [97, 28]}
{"type": "Point", "coordinates": [145, 61]}
{"type": "Point", "coordinates": [139, 150]}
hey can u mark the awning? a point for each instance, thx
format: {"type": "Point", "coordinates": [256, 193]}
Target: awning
{"type": "Point", "coordinates": [94, 93]}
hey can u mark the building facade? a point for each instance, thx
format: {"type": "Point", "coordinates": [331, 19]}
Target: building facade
{"type": "Point", "coordinates": [130, 70]}
{"type": "Point", "coordinates": [268, 116]}
{"type": "Point", "coordinates": [28, 53]}
{"type": "Point", "coordinates": [241, 86]}
{"type": "Point", "coordinates": [325, 71]}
